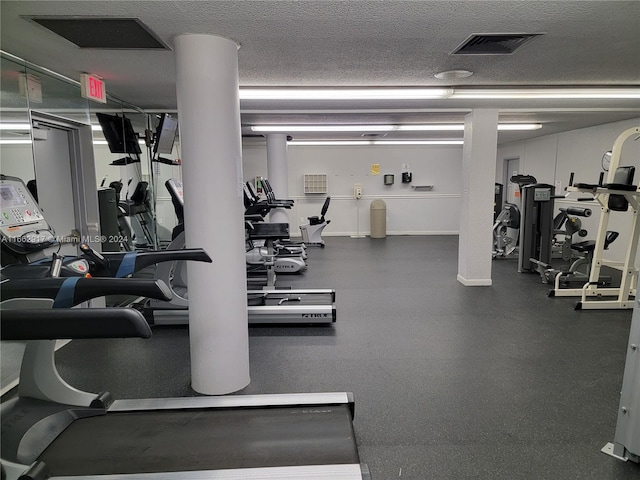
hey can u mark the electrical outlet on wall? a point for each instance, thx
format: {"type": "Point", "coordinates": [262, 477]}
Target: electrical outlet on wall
{"type": "Point", "coordinates": [357, 191]}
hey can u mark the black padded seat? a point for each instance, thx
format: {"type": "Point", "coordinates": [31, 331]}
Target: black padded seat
{"type": "Point", "coordinates": [588, 246]}
{"type": "Point", "coordinates": [584, 247]}
{"type": "Point", "coordinates": [587, 186]}
{"type": "Point", "coordinates": [620, 186]}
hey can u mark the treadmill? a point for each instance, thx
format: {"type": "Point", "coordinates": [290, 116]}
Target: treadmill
{"type": "Point", "coordinates": [52, 430]}
{"type": "Point", "coordinates": [264, 306]}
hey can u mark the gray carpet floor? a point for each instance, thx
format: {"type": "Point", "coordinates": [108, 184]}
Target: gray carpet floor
{"type": "Point", "coordinates": [450, 382]}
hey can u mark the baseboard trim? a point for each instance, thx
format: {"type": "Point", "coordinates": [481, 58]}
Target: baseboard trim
{"type": "Point", "coordinates": [474, 282]}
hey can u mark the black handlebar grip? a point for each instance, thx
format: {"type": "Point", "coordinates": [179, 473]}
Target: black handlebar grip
{"type": "Point", "coordinates": [93, 255]}
{"type": "Point", "coordinates": [71, 291]}
{"type": "Point", "coordinates": [73, 323]}
{"type": "Point", "coordinates": [145, 259]}
{"type": "Point", "coordinates": [579, 212]}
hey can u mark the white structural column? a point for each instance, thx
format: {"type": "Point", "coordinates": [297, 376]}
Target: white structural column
{"type": "Point", "coordinates": [278, 173]}
{"type": "Point", "coordinates": [476, 211]}
{"type": "Point", "coordinates": [211, 143]}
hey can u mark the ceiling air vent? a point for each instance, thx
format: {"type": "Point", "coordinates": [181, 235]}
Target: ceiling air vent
{"type": "Point", "coordinates": [103, 32]}
{"type": "Point", "coordinates": [494, 43]}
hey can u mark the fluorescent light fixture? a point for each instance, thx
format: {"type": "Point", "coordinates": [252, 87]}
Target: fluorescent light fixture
{"type": "Point", "coordinates": [374, 142]}
{"type": "Point", "coordinates": [344, 93]}
{"type": "Point", "coordinates": [542, 93]}
{"type": "Point", "coordinates": [15, 126]}
{"type": "Point", "coordinates": [104, 142]}
{"type": "Point", "coordinates": [418, 142]}
{"type": "Point", "coordinates": [384, 128]}
{"type": "Point", "coordinates": [519, 126]}
{"type": "Point", "coordinates": [322, 128]}
{"type": "Point", "coordinates": [14, 142]}
{"type": "Point", "coordinates": [430, 128]}
{"type": "Point", "coordinates": [413, 93]}
{"type": "Point", "coordinates": [96, 128]}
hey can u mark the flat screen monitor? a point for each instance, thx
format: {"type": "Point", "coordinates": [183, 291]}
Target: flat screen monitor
{"type": "Point", "coordinates": [165, 134]}
{"type": "Point", "coordinates": [119, 134]}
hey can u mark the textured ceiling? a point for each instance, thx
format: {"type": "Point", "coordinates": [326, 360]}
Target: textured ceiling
{"type": "Point", "coordinates": [356, 43]}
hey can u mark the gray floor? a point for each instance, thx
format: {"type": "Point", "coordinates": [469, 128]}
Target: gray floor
{"type": "Point", "coordinates": [451, 382]}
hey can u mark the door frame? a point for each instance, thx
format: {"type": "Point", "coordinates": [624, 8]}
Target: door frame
{"type": "Point", "coordinates": [83, 173]}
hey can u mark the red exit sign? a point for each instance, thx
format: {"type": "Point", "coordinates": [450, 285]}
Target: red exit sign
{"type": "Point", "coordinates": [93, 88]}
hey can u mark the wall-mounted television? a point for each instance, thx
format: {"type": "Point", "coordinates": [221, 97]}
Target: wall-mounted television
{"type": "Point", "coordinates": [165, 134]}
{"type": "Point", "coordinates": [119, 134]}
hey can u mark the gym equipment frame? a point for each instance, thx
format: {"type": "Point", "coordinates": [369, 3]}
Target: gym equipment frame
{"type": "Point", "coordinates": [626, 443]}
{"type": "Point", "coordinates": [592, 291]}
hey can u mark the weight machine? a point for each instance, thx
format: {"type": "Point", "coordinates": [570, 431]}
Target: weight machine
{"type": "Point", "coordinates": [617, 194]}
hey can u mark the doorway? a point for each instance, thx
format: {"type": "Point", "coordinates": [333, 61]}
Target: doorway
{"type": "Point", "coordinates": [65, 178]}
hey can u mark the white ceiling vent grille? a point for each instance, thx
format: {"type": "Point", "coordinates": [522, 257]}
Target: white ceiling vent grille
{"type": "Point", "coordinates": [494, 43]}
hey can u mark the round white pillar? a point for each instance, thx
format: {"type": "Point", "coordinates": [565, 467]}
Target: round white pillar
{"type": "Point", "coordinates": [211, 143]}
{"type": "Point", "coordinates": [278, 173]}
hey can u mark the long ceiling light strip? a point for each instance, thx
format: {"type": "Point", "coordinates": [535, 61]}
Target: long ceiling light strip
{"type": "Point", "coordinates": [373, 142]}
{"type": "Point", "coordinates": [8, 141]}
{"type": "Point", "coordinates": [545, 93]}
{"type": "Point", "coordinates": [384, 128]}
{"type": "Point", "coordinates": [344, 93]}
{"type": "Point", "coordinates": [321, 128]}
{"type": "Point", "coordinates": [409, 93]}
{"type": "Point", "coordinates": [15, 126]}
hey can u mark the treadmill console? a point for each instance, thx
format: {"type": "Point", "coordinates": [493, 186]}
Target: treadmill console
{"type": "Point", "coordinates": [22, 227]}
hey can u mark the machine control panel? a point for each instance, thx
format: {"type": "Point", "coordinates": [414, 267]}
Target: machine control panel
{"type": "Point", "coordinates": [21, 222]}
{"type": "Point", "coordinates": [542, 194]}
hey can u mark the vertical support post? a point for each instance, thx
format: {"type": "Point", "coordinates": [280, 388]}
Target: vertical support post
{"type": "Point", "coordinates": [278, 173]}
{"type": "Point", "coordinates": [209, 111]}
{"type": "Point", "coordinates": [476, 212]}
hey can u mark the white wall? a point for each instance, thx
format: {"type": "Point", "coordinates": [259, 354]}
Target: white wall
{"type": "Point", "coordinates": [409, 210]}
{"type": "Point", "coordinates": [552, 158]}
{"type": "Point", "coordinates": [17, 161]}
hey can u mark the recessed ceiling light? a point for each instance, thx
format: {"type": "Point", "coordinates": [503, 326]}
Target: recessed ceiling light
{"type": "Point", "coordinates": [453, 74]}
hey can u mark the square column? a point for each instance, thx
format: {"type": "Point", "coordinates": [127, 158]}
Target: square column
{"type": "Point", "coordinates": [476, 212]}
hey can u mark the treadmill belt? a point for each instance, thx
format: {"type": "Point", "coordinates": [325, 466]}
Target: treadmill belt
{"type": "Point", "coordinates": [201, 439]}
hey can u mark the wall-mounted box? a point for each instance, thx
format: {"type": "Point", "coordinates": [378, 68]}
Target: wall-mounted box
{"type": "Point", "coordinates": [388, 179]}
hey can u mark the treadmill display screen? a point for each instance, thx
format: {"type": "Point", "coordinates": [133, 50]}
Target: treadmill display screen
{"type": "Point", "coordinates": [9, 197]}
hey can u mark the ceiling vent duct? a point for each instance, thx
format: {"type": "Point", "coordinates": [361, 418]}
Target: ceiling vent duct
{"type": "Point", "coordinates": [494, 43]}
{"type": "Point", "coordinates": [103, 32]}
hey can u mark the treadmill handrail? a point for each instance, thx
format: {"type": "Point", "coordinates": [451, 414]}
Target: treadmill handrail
{"type": "Point", "coordinates": [122, 264]}
{"type": "Point", "coordinates": [76, 290]}
{"type": "Point", "coordinates": [38, 324]}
